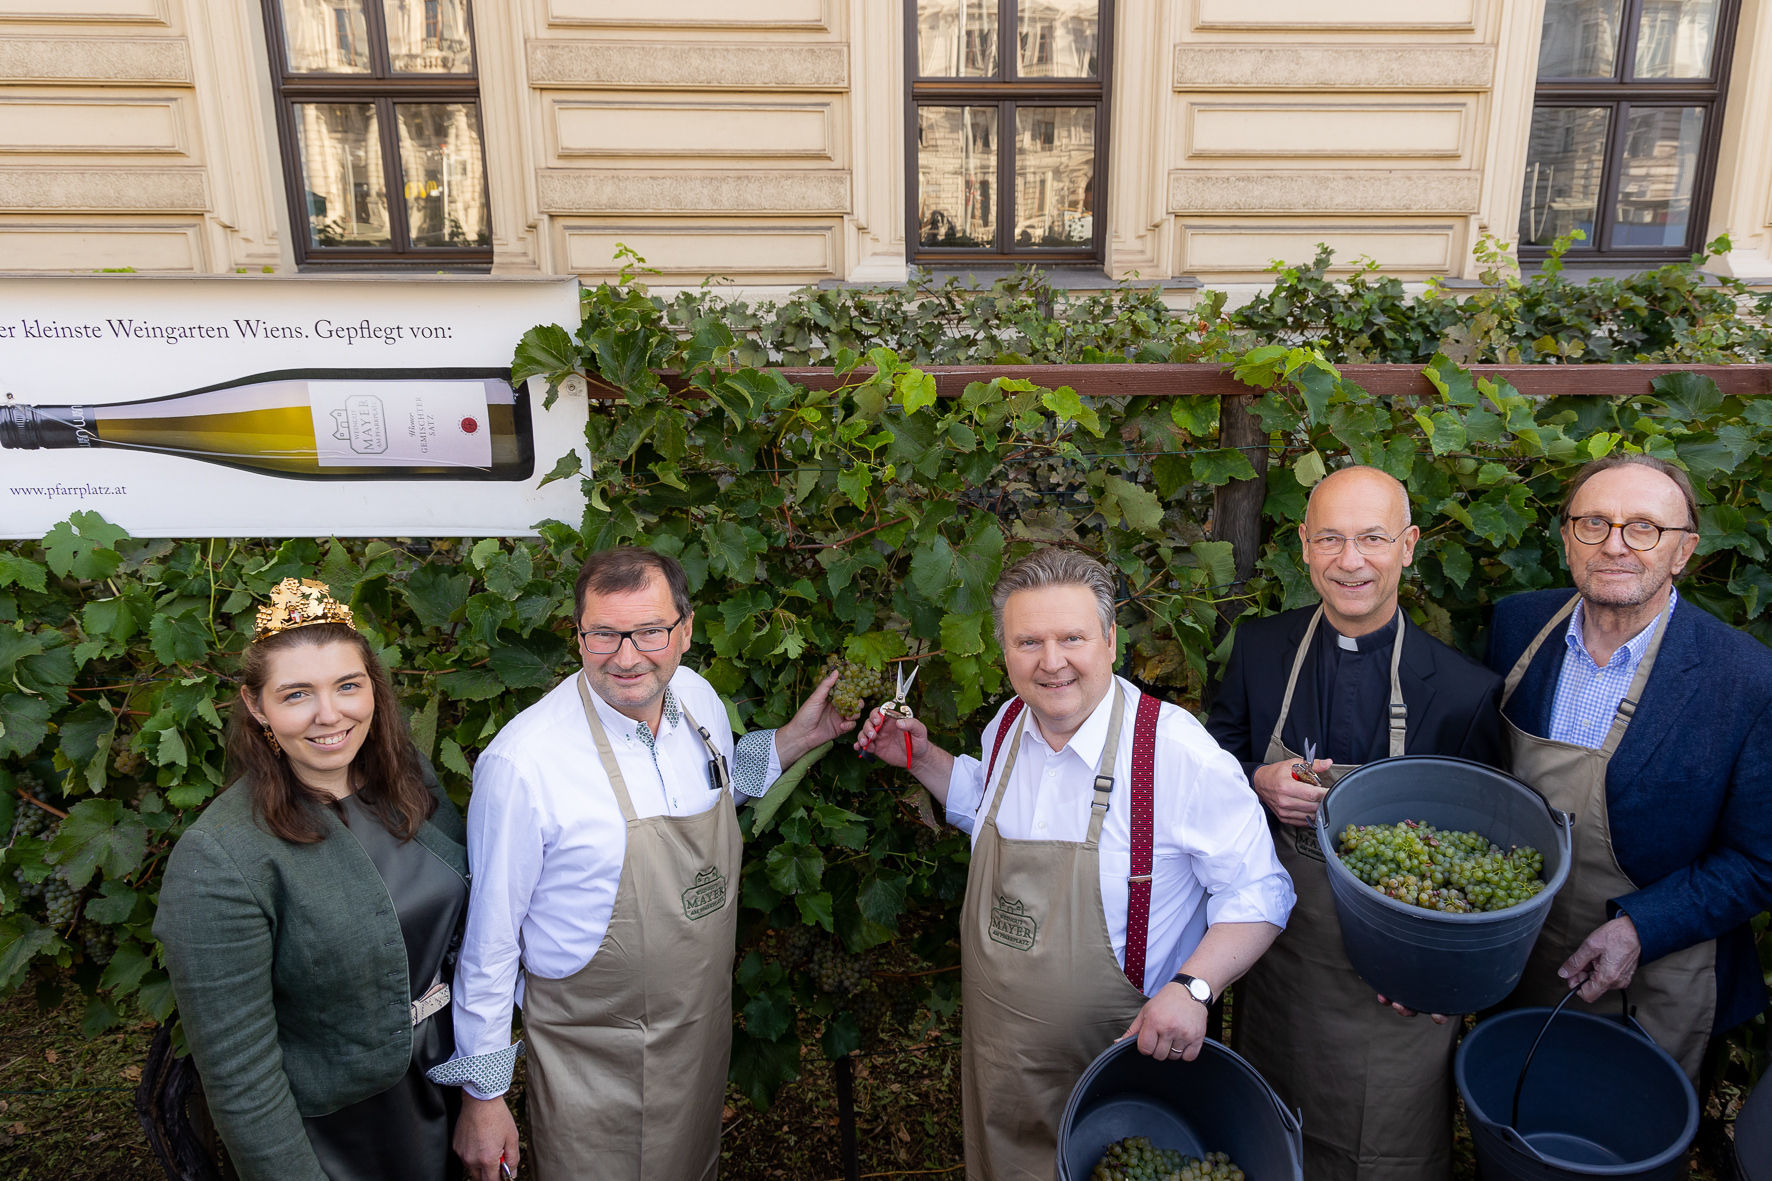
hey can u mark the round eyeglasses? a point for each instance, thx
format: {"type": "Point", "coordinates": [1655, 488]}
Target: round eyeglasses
{"type": "Point", "coordinates": [603, 641]}
{"type": "Point", "coordinates": [1327, 545]}
{"type": "Point", "coordinates": [1638, 535]}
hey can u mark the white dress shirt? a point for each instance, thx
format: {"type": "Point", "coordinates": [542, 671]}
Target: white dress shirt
{"type": "Point", "coordinates": [546, 842]}
{"type": "Point", "coordinates": [1212, 858]}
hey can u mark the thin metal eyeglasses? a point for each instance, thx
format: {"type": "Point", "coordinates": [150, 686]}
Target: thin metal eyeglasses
{"type": "Point", "coordinates": [1638, 535]}
{"type": "Point", "coordinates": [1327, 545]}
{"type": "Point", "coordinates": [604, 641]}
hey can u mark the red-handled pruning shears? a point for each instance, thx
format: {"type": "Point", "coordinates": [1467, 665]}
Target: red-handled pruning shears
{"type": "Point", "coordinates": [900, 706]}
{"type": "Point", "coordinates": [1302, 771]}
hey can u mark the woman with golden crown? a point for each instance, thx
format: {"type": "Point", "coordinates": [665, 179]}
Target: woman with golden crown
{"type": "Point", "coordinates": [310, 916]}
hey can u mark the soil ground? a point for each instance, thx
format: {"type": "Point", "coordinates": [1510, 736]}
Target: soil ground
{"type": "Point", "coordinates": [67, 1112]}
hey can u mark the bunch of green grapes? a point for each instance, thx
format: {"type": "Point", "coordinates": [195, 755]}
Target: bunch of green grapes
{"type": "Point", "coordinates": [796, 945]}
{"type": "Point", "coordinates": [60, 901]}
{"type": "Point", "coordinates": [1137, 1159]}
{"type": "Point", "coordinates": [856, 685]}
{"type": "Point", "coordinates": [99, 940]}
{"type": "Point", "coordinates": [1438, 869]}
{"type": "Point", "coordinates": [907, 1006]}
{"type": "Point", "coordinates": [30, 823]}
{"type": "Point", "coordinates": [126, 760]}
{"type": "Point", "coordinates": [834, 970]}
{"type": "Point", "coordinates": [869, 1007]}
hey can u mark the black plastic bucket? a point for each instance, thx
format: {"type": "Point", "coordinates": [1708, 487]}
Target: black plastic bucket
{"type": "Point", "coordinates": [1753, 1134]}
{"type": "Point", "coordinates": [1552, 1095]}
{"type": "Point", "coordinates": [1429, 961]}
{"type": "Point", "coordinates": [1216, 1103]}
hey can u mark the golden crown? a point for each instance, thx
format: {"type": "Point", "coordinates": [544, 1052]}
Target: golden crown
{"type": "Point", "coordinates": [298, 602]}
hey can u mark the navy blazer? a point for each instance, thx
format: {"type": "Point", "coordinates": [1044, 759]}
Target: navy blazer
{"type": "Point", "coordinates": [1451, 698]}
{"type": "Point", "coordinates": [1689, 791]}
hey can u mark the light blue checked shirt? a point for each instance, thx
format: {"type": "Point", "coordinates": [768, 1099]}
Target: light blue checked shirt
{"type": "Point", "coordinates": [1588, 695]}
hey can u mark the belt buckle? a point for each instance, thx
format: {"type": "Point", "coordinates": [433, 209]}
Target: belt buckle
{"type": "Point", "coordinates": [431, 1003]}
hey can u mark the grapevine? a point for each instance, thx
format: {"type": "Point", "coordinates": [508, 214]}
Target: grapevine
{"type": "Point", "coordinates": [1137, 1159]}
{"type": "Point", "coordinates": [1436, 869]}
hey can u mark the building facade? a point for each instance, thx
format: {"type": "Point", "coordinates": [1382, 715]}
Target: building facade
{"type": "Point", "coordinates": [782, 142]}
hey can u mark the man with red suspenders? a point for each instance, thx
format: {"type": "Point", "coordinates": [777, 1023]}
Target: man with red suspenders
{"type": "Point", "coordinates": [1122, 873]}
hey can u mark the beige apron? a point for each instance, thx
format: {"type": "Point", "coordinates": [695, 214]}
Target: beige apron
{"type": "Point", "coordinates": [1042, 994]}
{"type": "Point", "coordinates": [628, 1055]}
{"type": "Point", "coordinates": [1676, 996]}
{"type": "Point", "coordinates": [1374, 1088]}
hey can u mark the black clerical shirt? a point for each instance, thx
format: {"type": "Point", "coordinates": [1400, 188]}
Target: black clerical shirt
{"type": "Point", "coordinates": [1353, 693]}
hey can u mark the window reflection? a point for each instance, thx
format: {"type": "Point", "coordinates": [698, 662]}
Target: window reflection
{"type": "Point", "coordinates": [445, 184]}
{"type": "Point", "coordinates": [1054, 176]}
{"type": "Point", "coordinates": [1675, 38]}
{"type": "Point", "coordinates": [1655, 180]}
{"type": "Point", "coordinates": [957, 176]}
{"type": "Point", "coordinates": [326, 37]}
{"type": "Point", "coordinates": [1580, 39]}
{"type": "Point", "coordinates": [957, 38]}
{"type": "Point", "coordinates": [1058, 38]}
{"type": "Point", "coordinates": [429, 36]}
{"type": "Point", "coordinates": [347, 199]}
{"type": "Point", "coordinates": [1564, 160]}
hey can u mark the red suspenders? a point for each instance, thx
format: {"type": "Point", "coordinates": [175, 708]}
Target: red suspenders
{"type": "Point", "coordinates": [1138, 886]}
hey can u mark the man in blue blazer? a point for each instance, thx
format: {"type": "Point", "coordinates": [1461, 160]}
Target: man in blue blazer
{"type": "Point", "coordinates": [1651, 722]}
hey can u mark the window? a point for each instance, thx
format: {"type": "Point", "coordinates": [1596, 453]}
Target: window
{"type": "Point", "coordinates": [379, 115]}
{"type": "Point", "coordinates": [1009, 142]}
{"type": "Point", "coordinates": [1625, 126]}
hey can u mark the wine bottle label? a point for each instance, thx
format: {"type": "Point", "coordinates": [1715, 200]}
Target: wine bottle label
{"type": "Point", "coordinates": [401, 423]}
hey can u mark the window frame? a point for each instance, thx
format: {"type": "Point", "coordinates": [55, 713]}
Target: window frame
{"type": "Point", "coordinates": [1007, 92]}
{"type": "Point", "coordinates": [1617, 95]}
{"type": "Point", "coordinates": [383, 89]}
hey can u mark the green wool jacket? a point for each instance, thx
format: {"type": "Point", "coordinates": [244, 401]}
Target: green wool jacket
{"type": "Point", "coordinates": [290, 974]}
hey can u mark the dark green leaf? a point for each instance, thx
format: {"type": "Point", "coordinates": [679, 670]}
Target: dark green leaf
{"type": "Point", "coordinates": [15, 570]}
{"type": "Point", "coordinates": [22, 938]}
{"type": "Point", "coordinates": [98, 835]}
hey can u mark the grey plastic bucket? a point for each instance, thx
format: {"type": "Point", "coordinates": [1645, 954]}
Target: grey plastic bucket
{"type": "Point", "coordinates": [1551, 1095]}
{"type": "Point", "coordinates": [1426, 960]}
{"type": "Point", "coordinates": [1216, 1103]}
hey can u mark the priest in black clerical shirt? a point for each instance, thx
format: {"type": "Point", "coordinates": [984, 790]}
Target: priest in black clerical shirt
{"type": "Point", "coordinates": [1375, 1087]}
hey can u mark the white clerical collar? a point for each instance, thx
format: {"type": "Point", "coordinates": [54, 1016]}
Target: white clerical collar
{"type": "Point", "coordinates": [1382, 637]}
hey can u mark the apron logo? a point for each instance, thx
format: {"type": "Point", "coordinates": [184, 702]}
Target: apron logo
{"type": "Point", "coordinates": [1012, 925]}
{"type": "Point", "coordinates": [1304, 843]}
{"type": "Point", "coordinates": [705, 895]}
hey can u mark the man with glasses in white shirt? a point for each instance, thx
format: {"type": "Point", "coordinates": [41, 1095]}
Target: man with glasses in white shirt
{"type": "Point", "coordinates": [604, 849]}
{"type": "Point", "coordinates": [1329, 687]}
{"type": "Point", "coordinates": [1650, 721]}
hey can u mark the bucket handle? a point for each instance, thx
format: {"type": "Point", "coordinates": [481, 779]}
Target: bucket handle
{"type": "Point", "coordinates": [1520, 1084]}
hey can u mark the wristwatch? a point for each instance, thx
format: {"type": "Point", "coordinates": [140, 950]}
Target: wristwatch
{"type": "Point", "coordinates": [1196, 988]}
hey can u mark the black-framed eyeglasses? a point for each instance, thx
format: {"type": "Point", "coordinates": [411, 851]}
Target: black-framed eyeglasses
{"type": "Point", "coordinates": [604, 641]}
{"type": "Point", "coordinates": [1638, 535]}
{"type": "Point", "coordinates": [1327, 545]}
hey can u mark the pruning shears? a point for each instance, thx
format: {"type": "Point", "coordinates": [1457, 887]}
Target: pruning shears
{"type": "Point", "coordinates": [900, 706]}
{"type": "Point", "coordinates": [1302, 771]}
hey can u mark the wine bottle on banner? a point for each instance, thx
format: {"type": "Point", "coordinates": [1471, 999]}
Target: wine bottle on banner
{"type": "Point", "coordinates": [378, 424]}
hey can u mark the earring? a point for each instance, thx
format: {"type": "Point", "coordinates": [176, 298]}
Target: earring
{"type": "Point", "coordinates": [272, 739]}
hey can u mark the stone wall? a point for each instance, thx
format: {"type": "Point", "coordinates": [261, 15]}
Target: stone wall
{"type": "Point", "coordinates": [764, 140]}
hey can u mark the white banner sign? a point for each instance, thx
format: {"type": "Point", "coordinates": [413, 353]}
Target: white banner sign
{"type": "Point", "coordinates": [255, 407]}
